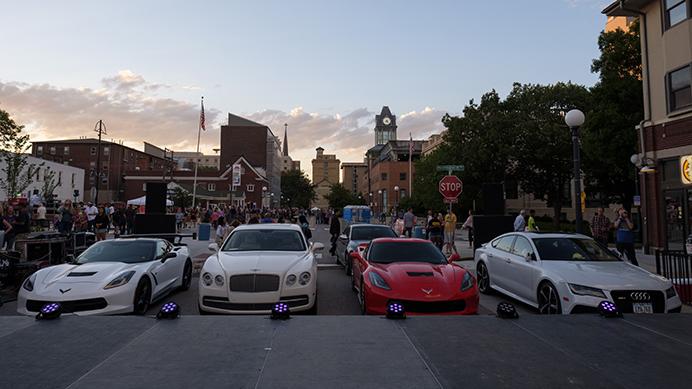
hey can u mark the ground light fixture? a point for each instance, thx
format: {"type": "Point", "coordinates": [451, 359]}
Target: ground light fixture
{"type": "Point", "coordinates": [49, 311]}
{"type": "Point", "coordinates": [608, 309]}
{"type": "Point", "coordinates": [395, 311]}
{"type": "Point", "coordinates": [506, 310]}
{"type": "Point", "coordinates": [169, 310]}
{"type": "Point", "coordinates": [280, 311]}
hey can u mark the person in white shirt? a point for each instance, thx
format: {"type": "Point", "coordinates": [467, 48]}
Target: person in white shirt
{"type": "Point", "coordinates": [520, 222]}
{"type": "Point", "coordinates": [41, 215]}
{"type": "Point", "coordinates": [91, 212]}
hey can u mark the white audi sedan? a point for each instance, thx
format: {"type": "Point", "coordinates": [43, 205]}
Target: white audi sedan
{"type": "Point", "coordinates": [257, 266]}
{"type": "Point", "coordinates": [569, 273]}
{"type": "Point", "coordinates": [110, 277]}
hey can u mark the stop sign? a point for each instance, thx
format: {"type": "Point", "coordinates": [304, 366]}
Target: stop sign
{"type": "Point", "coordinates": [450, 187]}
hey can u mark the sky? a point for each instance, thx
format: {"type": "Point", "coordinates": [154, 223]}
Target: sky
{"type": "Point", "coordinates": [324, 67]}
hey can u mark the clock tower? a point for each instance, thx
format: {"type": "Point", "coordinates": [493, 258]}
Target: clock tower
{"type": "Point", "coordinates": [385, 126]}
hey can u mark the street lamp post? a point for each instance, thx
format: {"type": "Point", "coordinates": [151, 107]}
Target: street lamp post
{"type": "Point", "coordinates": [396, 204]}
{"type": "Point", "coordinates": [574, 119]}
{"type": "Point", "coordinates": [643, 166]}
{"type": "Point", "coordinates": [379, 192]}
{"type": "Point", "coordinates": [264, 196]}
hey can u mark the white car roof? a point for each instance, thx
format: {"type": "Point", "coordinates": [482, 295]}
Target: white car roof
{"type": "Point", "coordinates": [268, 226]}
{"type": "Point", "coordinates": [532, 235]}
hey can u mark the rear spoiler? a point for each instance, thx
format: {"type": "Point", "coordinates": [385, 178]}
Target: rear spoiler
{"type": "Point", "coordinates": [175, 239]}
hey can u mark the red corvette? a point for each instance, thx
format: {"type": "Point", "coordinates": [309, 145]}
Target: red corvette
{"type": "Point", "coordinates": [416, 274]}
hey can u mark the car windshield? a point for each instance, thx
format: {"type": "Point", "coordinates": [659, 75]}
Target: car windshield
{"type": "Point", "coordinates": [265, 240]}
{"type": "Point", "coordinates": [572, 249]}
{"type": "Point", "coordinates": [370, 233]}
{"type": "Point", "coordinates": [402, 251]}
{"type": "Point", "coordinates": [127, 251]}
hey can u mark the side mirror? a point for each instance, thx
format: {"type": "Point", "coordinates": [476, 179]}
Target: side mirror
{"type": "Point", "coordinates": [454, 257]}
{"type": "Point", "coordinates": [343, 237]}
{"type": "Point", "coordinates": [213, 247]}
{"type": "Point", "coordinates": [530, 257]}
{"type": "Point", "coordinates": [168, 256]}
{"type": "Point", "coordinates": [69, 258]}
{"type": "Point", "coordinates": [317, 246]}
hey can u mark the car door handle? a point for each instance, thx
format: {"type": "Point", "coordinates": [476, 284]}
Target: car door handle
{"type": "Point", "coordinates": [508, 260]}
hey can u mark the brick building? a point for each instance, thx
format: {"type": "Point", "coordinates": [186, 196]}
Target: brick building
{"type": "Point", "coordinates": [389, 171]}
{"type": "Point", "coordinates": [353, 174]}
{"type": "Point", "coordinates": [325, 173]}
{"type": "Point", "coordinates": [116, 159]}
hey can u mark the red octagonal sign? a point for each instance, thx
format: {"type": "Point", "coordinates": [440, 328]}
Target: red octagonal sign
{"type": "Point", "coordinates": [450, 187]}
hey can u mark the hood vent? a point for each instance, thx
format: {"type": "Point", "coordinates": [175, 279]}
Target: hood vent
{"type": "Point", "coordinates": [81, 274]}
{"type": "Point", "coordinates": [419, 274]}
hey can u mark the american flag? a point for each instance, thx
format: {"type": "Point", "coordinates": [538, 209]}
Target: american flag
{"type": "Point", "coordinates": [201, 117]}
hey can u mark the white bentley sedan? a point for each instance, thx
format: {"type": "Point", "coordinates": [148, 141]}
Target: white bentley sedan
{"type": "Point", "coordinates": [110, 277]}
{"type": "Point", "coordinates": [258, 266]}
{"type": "Point", "coordinates": [569, 273]}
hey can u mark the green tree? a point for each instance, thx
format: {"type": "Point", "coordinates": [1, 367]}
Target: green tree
{"type": "Point", "coordinates": [17, 172]}
{"type": "Point", "coordinates": [296, 189]}
{"type": "Point", "coordinates": [181, 197]}
{"type": "Point", "coordinates": [609, 137]}
{"type": "Point", "coordinates": [339, 197]}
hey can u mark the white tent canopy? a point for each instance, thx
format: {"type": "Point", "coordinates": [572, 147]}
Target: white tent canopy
{"type": "Point", "coordinates": [142, 201]}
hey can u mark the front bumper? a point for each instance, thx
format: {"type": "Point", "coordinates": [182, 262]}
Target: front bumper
{"type": "Point", "coordinates": [462, 303]}
{"type": "Point", "coordinates": [215, 299]}
{"type": "Point", "coordinates": [80, 304]}
{"type": "Point", "coordinates": [572, 303]}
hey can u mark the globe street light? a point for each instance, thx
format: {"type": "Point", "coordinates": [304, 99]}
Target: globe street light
{"type": "Point", "coordinates": [396, 205]}
{"type": "Point", "coordinates": [379, 192]}
{"type": "Point", "coordinates": [574, 119]}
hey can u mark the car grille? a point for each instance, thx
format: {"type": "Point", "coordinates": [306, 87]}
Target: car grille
{"type": "Point", "coordinates": [223, 303]}
{"type": "Point", "coordinates": [254, 283]}
{"type": "Point", "coordinates": [433, 306]}
{"type": "Point", "coordinates": [625, 298]}
{"type": "Point", "coordinates": [69, 306]}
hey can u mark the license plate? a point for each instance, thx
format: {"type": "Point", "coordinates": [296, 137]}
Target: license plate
{"type": "Point", "coordinates": [642, 308]}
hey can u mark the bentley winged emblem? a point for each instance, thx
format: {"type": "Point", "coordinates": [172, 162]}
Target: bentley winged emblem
{"type": "Point", "coordinates": [426, 291]}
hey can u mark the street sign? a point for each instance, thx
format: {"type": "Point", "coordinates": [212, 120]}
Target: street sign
{"type": "Point", "coordinates": [450, 168]}
{"type": "Point", "coordinates": [450, 201]}
{"type": "Point", "coordinates": [450, 187]}
{"type": "Point", "coordinates": [637, 201]}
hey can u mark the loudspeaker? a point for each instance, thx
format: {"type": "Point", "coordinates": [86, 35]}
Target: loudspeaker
{"type": "Point", "coordinates": [155, 203]}
{"type": "Point", "coordinates": [154, 224]}
{"type": "Point", "coordinates": [486, 228]}
{"type": "Point", "coordinates": [493, 199]}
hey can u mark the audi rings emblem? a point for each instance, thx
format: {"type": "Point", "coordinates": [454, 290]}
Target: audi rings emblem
{"type": "Point", "coordinates": [640, 296]}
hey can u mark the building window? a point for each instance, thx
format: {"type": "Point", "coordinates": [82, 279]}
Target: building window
{"type": "Point", "coordinates": [52, 150]}
{"type": "Point", "coordinates": [676, 12]}
{"type": "Point", "coordinates": [402, 176]}
{"type": "Point", "coordinates": [106, 151]}
{"type": "Point", "coordinates": [680, 88]}
{"type": "Point", "coordinates": [92, 164]}
{"type": "Point", "coordinates": [92, 151]}
{"type": "Point", "coordinates": [250, 188]}
{"type": "Point", "coordinates": [383, 176]}
{"type": "Point", "coordinates": [66, 150]}
{"type": "Point", "coordinates": [39, 150]}
{"type": "Point", "coordinates": [59, 178]}
{"type": "Point", "coordinates": [402, 193]}
{"type": "Point", "coordinates": [211, 187]}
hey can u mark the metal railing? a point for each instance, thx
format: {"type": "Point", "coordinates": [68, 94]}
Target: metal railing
{"type": "Point", "coordinates": [677, 267]}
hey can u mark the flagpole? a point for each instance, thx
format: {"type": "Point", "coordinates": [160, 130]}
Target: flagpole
{"type": "Point", "coordinates": [194, 181]}
{"type": "Point", "coordinates": [410, 158]}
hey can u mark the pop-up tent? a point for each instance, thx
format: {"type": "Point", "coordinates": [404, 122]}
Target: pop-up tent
{"type": "Point", "coordinates": [142, 201]}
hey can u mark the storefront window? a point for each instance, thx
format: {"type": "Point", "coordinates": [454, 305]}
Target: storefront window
{"type": "Point", "coordinates": [675, 221]}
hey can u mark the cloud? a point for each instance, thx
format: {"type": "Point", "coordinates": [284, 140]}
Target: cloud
{"type": "Point", "coordinates": [597, 4]}
{"type": "Point", "coordinates": [125, 103]}
{"type": "Point", "coordinates": [134, 112]}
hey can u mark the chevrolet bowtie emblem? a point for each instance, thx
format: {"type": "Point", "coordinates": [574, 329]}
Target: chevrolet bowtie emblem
{"type": "Point", "coordinates": [427, 291]}
{"type": "Point", "coordinates": [65, 291]}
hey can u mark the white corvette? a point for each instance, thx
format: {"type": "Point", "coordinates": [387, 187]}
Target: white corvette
{"type": "Point", "coordinates": [110, 277]}
{"type": "Point", "coordinates": [258, 266]}
{"type": "Point", "coordinates": [569, 273]}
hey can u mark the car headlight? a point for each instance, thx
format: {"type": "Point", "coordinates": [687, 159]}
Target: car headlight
{"type": "Point", "coordinates": [207, 279]}
{"type": "Point", "coordinates": [586, 291]}
{"type": "Point", "coordinates": [120, 280]}
{"type": "Point", "coordinates": [378, 281]}
{"type": "Point", "coordinates": [670, 292]}
{"type": "Point", "coordinates": [218, 280]}
{"type": "Point", "coordinates": [29, 283]}
{"type": "Point", "coordinates": [304, 278]}
{"type": "Point", "coordinates": [467, 281]}
{"type": "Point", "coordinates": [291, 279]}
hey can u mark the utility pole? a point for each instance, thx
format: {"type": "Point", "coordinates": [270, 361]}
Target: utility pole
{"type": "Point", "coordinates": [100, 128]}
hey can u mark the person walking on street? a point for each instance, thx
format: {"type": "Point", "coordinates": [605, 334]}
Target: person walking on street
{"type": "Point", "coordinates": [468, 225]}
{"type": "Point", "coordinates": [334, 230]}
{"type": "Point", "coordinates": [409, 222]}
{"type": "Point", "coordinates": [600, 226]}
{"type": "Point", "coordinates": [41, 216]}
{"type": "Point", "coordinates": [101, 222]}
{"type": "Point", "coordinates": [434, 232]}
{"type": "Point", "coordinates": [449, 230]}
{"type": "Point", "coordinates": [531, 224]}
{"type": "Point", "coordinates": [91, 212]}
{"type": "Point", "coordinates": [520, 222]}
{"type": "Point", "coordinates": [625, 236]}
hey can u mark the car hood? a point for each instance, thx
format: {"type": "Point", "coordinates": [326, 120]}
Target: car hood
{"type": "Point", "coordinates": [605, 275]}
{"type": "Point", "coordinates": [261, 261]}
{"type": "Point", "coordinates": [93, 273]}
{"type": "Point", "coordinates": [419, 281]}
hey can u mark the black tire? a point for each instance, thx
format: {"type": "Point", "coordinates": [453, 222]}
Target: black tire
{"type": "Point", "coordinates": [361, 299]}
{"type": "Point", "coordinates": [348, 264]}
{"type": "Point", "coordinates": [142, 299]}
{"type": "Point", "coordinates": [548, 299]}
{"type": "Point", "coordinates": [187, 275]}
{"type": "Point", "coordinates": [483, 277]}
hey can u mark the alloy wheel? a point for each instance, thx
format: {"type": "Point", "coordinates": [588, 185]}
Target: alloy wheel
{"type": "Point", "coordinates": [548, 300]}
{"type": "Point", "coordinates": [483, 278]}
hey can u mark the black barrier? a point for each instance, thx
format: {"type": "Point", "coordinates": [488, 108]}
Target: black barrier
{"type": "Point", "coordinates": [487, 228]}
{"type": "Point", "coordinates": [677, 267]}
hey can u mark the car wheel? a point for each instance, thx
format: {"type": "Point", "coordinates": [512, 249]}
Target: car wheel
{"type": "Point", "coordinates": [187, 275]}
{"type": "Point", "coordinates": [548, 300]}
{"type": "Point", "coordinates": [361, 299]}
{"type": "Point", "coordinates": [483, 278]}
{"type": "Point", "coordinates": [348, 264]}
{"type": "Point", "coordinates": [142, 297]}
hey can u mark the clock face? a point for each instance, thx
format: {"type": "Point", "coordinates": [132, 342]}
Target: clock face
{"type": "Point", "coordinates": [386, 121]}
